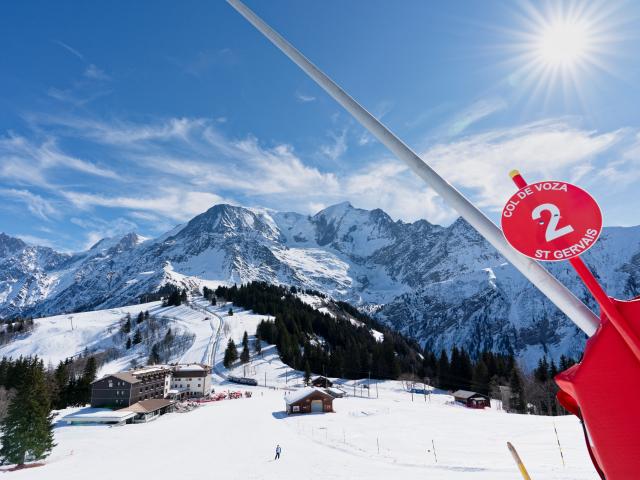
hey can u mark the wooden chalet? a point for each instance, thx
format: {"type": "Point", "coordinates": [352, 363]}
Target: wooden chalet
{"type": "Point", "coordinates": [309, 400]}
{"type": "Point", "coordinates": [471, 399]}
{"type": "Point", "coordinates": [321, 382]}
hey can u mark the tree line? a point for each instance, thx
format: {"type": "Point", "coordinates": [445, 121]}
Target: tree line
{"type": "Point", "coordinates": [12, 328]}
{"type": "Point", "coordinates": [32, 392]}
{"type": "Point", "coordinates": [310, 340]}
{"type": "Point", "coordinates": [332, 345]}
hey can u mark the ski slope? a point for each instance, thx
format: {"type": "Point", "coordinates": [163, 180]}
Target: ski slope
{"type": "Point", "coordinates": [235, 439]}
{"type": "Point", "coordinates": [54, 339]}
{"type": "Point", "coordinates": [367, 438]}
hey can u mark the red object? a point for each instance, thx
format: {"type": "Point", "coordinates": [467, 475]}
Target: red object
{"type": "Point", "coordinates": [603, 390]}
{"type": "Point", "coordinates": [611, 358]}
{"type": "Point", "coordinates": [551, 220]}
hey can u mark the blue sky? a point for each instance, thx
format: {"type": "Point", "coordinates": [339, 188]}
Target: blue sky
{"type": "Point", "coordinates": [135, 116]}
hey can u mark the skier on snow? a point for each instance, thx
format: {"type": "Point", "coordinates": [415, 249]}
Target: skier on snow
{"type": "Point", "coordinates": [278, 450]}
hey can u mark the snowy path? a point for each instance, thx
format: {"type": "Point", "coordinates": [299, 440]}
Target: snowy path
{"type": "Point", "coordinates": [211, 355]}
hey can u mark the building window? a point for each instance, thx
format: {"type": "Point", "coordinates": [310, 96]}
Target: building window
{"type": "Point", "coordinates": [110, 384]}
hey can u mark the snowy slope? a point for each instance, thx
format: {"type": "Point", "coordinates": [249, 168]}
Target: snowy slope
{"type": "Point", "coordinates": [235, 439]}
{"type": "Point", "coordinates": [373, 434]}
{"type": "Point", "coordinates": [443, 286]}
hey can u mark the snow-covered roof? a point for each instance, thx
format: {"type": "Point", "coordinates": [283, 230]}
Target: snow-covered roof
{"type": "Point", "coordinates": [466, 394]}
{"type": "Point", "coordinates": [152, 369]}
{"type": "Point", "coordinates": [99, 416]}
{"type": "Point", "coordinates": [303, 393]}
{"type": "Point", "coordinates": [146, 406]}
{"type": "Point", "coordinates": [192, 367]}
{"type": "Point", "coordinates": [335, 391]}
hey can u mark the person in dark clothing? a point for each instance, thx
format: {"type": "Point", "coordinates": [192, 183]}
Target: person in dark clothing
{"type": "Point", "coordinates": [278, 450]}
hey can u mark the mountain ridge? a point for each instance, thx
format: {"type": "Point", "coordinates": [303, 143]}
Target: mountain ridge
{"type": "Point", "coordinates": [440, 285]}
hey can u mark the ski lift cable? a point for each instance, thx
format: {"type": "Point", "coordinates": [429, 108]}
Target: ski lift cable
{"type": "Point", "coordinates": [555, 291]}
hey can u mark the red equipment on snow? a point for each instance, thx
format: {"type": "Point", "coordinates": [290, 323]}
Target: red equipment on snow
{"type": "Point", "coordinates": [611, 358]}
{"type": "Point", "coordinates": [597, 391]}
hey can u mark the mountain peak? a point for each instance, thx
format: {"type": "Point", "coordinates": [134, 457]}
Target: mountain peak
{"type": "Point", "coordinates": [9, 245]}
{"type": "Point", "coordinates": [126, 242]}
{"type": "Point", "coordinates": [337, 210]}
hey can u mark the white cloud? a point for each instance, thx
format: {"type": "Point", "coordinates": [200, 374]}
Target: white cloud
{"type": "Point", "coordinates": [171, 203]}
{"type": "Point", "coordinates": [279, 170]}
{"type": "Point", "coordinates": [543, 150]}
{"type": "Point", "coordinates": [16, 150]}
{"type": "Point", "coordinates": [304, 98]}
{"type": "Point", "coordinates": [337, 147]}
{"type": "Point", "coordinates": [97, 228]}
{"type": "Point", "coordinates": [180, 167]}
{"type": "Point", "coordinates": [37, 205]}
{"type": "Point", "coordinates": [37, 241]}
{"type": "Point", "coordinates": [94, 73]}
{"type": "Point", "coordinates": [474, 113]}
{"type": "Point", "coordinates": [70, 49]}
{"type": "Point", "coordinates": [624, 170]}
{"type": "Point", "coordinates": [390, 185]}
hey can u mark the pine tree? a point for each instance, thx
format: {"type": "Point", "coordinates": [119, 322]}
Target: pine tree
{"type": "Point", "coordinates": [257, 345]}
{"type": "Point", "coordinates": [230, 312]}
{"type": "Point", "coordinates": [481, 377]}
{"type": "Point", "coordinates": [443, 371]}
{"type": "Point", "coordinates": [90, 369]}
{"type": "Point", "coordinates": [466, 370]}
{"type": "Point", "coordinates": [518, 401]}
{"type": "Point", "coordinates": [83, 386]}
{"type": "Point", "coordinates": [230, 354]}
{"type": "Point", "coordinates": [154, 356]}
{"type": "Point", "coordinates": [541, 373]}
{"type": "Point", "coordinates": [60, 379]}
{"type": "Point", "coordinates": [128, 344]}
{"type": "Point", "coordinates": [307, 372]}
{"type": "Point", "coordinates": [126, 326]}
{"type": "Point", "coordinates": [27, 428]}
{"type": "Point", "coordinates": [245, 355]}
{"type": "Point", "coordinates": [140, 318]}
{"type": "Point", "coordinates": [137, 337]}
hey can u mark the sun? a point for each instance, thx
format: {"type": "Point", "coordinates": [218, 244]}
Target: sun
{"type": "Point", "coordinates": [564, 43]}
{"type": "Point", "coordinates": [559, 51]}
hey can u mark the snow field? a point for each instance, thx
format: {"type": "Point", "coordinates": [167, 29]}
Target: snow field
{"type": "Point", "coordinates": [367, 438]}
{"type": "Point", "coordinates": [235, 439]}
{"type": "Point", "coordinates": [53, 338]}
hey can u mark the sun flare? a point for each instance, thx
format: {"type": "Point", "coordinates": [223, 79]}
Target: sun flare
{"type": "Point", "coordinates": [561, 50]}
{"type": "Point", "coordinates": [563, 43]}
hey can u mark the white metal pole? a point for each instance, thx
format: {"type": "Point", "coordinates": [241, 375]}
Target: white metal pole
{"type": "Point", "coordinates": [560, 295]}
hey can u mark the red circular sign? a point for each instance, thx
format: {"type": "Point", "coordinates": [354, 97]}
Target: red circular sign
{"type": "Point", "coordinates": [551, 221]}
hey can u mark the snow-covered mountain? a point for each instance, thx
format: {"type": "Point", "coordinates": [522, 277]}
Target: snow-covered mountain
{"type": "Point", "coordinates": [441, 285]}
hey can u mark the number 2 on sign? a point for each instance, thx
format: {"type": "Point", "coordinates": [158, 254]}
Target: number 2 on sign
{"type": "Point", "coordinates": [552, 231]}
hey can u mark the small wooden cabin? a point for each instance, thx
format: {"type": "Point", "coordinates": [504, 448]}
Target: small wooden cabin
{"type": "Point", "coordinates": [471, 399]}
{"type": "Point", "coordinates": [309, 400]}
{"type": "Point", "coordinates": [321, 382]}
